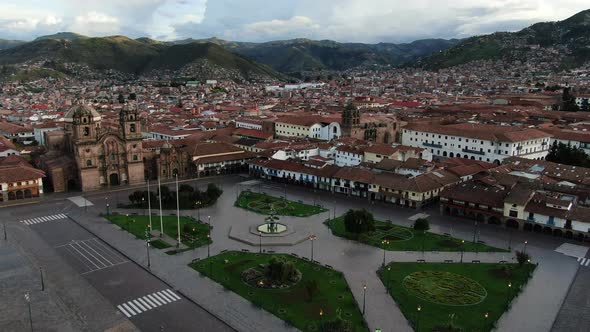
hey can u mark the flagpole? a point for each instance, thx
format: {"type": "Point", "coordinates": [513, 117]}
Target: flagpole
{"type": "Point", "coordinates": [177, 210]}
{"type": "Point", "coordinates": [149, 194]}
{"type": "Point", "coordinates": [160, 197]}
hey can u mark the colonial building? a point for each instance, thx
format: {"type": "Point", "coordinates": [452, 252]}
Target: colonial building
{"type": "Point", "coordinates": [488, 143]}
{"type": "Point", "coordinates": [374, 128]}
{"type": "Point", "coordinates": [18, 179]}
{"type": "Point", "coordinates": [103, 156]}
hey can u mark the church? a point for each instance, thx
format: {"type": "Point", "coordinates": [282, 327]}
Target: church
{"type": "Point", "coordinates": [87, 155]}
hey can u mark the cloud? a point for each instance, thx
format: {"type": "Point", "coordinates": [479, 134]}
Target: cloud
{"type": "Point", "coordinates": [296, 26]}
{"type": "Point", "coordinates": [261, 20]}
{"type": "Point", "coordinates": [95, 23]}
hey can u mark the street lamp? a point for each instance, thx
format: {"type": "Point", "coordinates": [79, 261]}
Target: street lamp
{"type": "Point", "coordinates": [388, 278]}
{"type": "Point", "coordinates": [311, 239]}
{"type": "Point", "coordinates": [194, 239]}
{"type": "Point", "coordinates": [364, 297]}
{"type": "Point", "coordinates": [423, 237]}
{"type": "Point", "coordinates": [208, 234]}
{"type": "Point", "coordinates": [525, 243]}
{"type": "Point", "coordinates": [510, 239]}
{"type": "Point", "coordinates": [143, 205]}
{"type": "Point", "coordinates": [198, 204]}
{"type": "Point", "coordinates": [384, 243]}
{"type": "Point", "coordinates": [508, 293]}
{"type": "Point", "coordinates": [147, 246]}
{"type": "Point", "coordinates": [418, 318]}
{"type": "Point", "coordinates": [106, 199]}
{"type": "Point", "coordinates": [462, 249]}
{"type": "Point", "coordinates": [28, 299]}
{"type": "Point", "coordinates": [474, 230]}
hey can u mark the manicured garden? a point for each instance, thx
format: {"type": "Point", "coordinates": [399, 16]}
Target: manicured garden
{"type": "Point", "coordinates": [398, 238]}
{"type": "Point", "coordinates": [263, 204]}
{"type": "Point", "coordinates": [193, 233]}
{"type": "Point", "coordinates": [454, 296]}
{"type": "Point", "coordinates": [305, 295]}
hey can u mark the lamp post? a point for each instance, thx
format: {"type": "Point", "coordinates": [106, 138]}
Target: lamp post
{"type": "Point", "coordinates": [147, 246]}
{"type": "Point", "coordinates": [462, 249]}
{"type": "Point", "coordinates": [474, 230]}
{"type": "Point", "coordinates": [208, 234]}
{"type": "Point", "coordinates": [28, 299]}
{"type": "Point", "coordinates": [418, 318]}
{"type": "Point", "coordinates": [42, 279]}
{"type": "Point", "coordinates": [508, 293]}
{"type": "Point", "coordinates": [364, 297]}
{"type": "Point", "coordinates": [525, 243]}
{"type": "Point", "coordinates": [510, 239]}
{"type": "Point", "coordinates": [127, 221]}
{"type": "Point", "coordinates": [312, 238]}
{"type": "Point", "coordinates": [194, 238]}
{"type": "Point", "coordinates": [423, 237]}
{"type": "Point", "coordinates": [198, 204]}
{"type": "Point", "coordinates": [384, 243]}
{"type": "Point", "coordinates": [388, 278]}
{"type": "Point", "coordinates": [106, 200]}
{"type": "Point", "coordinates": [143, 206]}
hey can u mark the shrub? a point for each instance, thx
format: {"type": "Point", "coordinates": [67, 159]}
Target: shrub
{"type": "Point", "coordinates": [279, 269]}
{"type": "Point", "coordinates": [359, 221]}
{"type": "Point", "coordinates": [522, 257]}
{"type": "Point", "coordinates": [421, 224]}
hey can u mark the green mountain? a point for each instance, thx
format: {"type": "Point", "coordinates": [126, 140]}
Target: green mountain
{"type": "Point", "coordinates": [6, 43]}
{"type": "Point", "coordinates": [63, 35]}
{"type": "Point", "coordinates": [570, 36]}
{"type": "Point", "coordinates": [298, 55]}
{"type": "Point", "coordinates": [137, 56]}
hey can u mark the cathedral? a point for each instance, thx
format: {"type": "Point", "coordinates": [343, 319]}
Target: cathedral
{"type": "Point", "coordinates": [90, 156]}
{"type": "Point", "coordinates": [376, 128]}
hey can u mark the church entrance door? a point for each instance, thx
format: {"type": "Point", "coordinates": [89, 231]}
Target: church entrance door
{"type": "Point", "coordinates": [114, 179]}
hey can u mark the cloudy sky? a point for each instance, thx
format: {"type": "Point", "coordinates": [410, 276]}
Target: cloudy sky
{"type": "Point", "coordinates": [262, 20]}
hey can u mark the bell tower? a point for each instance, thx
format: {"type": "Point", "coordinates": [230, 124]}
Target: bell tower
{"type": "Point", "coordinates": [129, 123]}
{"type": "Point", "coordinates": [351, 119]}
{"type": "Point", "coordinates": [130, 128]}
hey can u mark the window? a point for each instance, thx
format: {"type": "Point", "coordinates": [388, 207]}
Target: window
{"type": "Point", "coordinates": [135, 157]}
{"type": "Point", "coordinates": [86, 131]}
{"type": "Point", "coordinates": [88, 163]}
{"type": "Point", "coordinates": [132, 128]}
{"type": "Point", "coordinates": [134, 146]}
{"type": "Point", "coordinates": [513, 214]}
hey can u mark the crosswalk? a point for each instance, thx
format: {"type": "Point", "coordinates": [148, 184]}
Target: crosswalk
{"type": "Point", "coordinates": [39, 220]}
{"type": "Point", "coordinates": [584, 261]}
{"type": "Point", "coordinates": [148, 302]}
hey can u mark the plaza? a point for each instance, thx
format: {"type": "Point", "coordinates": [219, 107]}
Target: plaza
{"type": "Point", "coordinates": [358, 262]}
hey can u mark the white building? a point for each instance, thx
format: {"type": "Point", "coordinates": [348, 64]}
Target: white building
{"type": "Point", "coordinates": [249, 124]}
{"type": "Point", "coordinates": [478, 142]}
{"type": "Point", "coordinates": [312, 127]}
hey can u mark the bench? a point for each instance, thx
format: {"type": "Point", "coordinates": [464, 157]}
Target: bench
{"type": "Point", "coordinates": [421, 261]}
{"type": "Point", "coordinates": [294, 254]}
{"type": "Point", "coordinates": [245, 250]}
{"type": "Point", "coordinates": [448, 260]}
{"type": "Point", "coordinates": [476, 261]}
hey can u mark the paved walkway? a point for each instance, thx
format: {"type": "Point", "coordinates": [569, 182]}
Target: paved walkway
{"type": "Point", "coordinates": [358, 262]}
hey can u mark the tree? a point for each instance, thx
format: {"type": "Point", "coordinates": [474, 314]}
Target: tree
{"type": "Point", "coordinates": [186, 188]}
{"type": "Point", "coordinates": [311, 288]}
{"type": "Point", "coordinates": [569, 101]}
{"type": "Point", "coordinates": [280, 269]}
{"type": "Point", "coordinates": [421, 224]}
{"type": "Point", "coordinates": [359, 221]}
{"type": "Point", "coordinates": [213, 192]}
{"type": "Point", "coordinates": [522, 257]}
{"type": "Point", "coordinates": [132, 96]}
{"type": "Point", "coordinates": [585, 107]}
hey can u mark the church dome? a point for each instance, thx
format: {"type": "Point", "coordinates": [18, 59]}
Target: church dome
{"type": "Point", "coordinates": [81, 111]}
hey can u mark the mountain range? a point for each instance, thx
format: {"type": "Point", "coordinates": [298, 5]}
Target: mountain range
{"type": "Point", "coordinates": [571, 36]}
{"type": "Point", "coordinates": [273, 59]}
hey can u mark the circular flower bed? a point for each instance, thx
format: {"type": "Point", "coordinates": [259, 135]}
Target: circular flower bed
{"type": "Point", "coordinates": [444, 288]}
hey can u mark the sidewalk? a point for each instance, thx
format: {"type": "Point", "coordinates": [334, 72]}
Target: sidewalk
{"type": "Point", "coordinates": [231, 308]}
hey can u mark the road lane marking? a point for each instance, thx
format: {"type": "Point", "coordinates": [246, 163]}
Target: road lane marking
{"type": "Point", "coordinates": [148, 302]}
{"type": "Point", "coordinates": [122, 309]}
{"type": "Point", "coordinates": [42, 219]}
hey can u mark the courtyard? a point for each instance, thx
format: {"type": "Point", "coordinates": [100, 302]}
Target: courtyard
{"type": "Point", "coordinates": [264, 204]}
{"type": "Point", "coordinates": [454, 297]}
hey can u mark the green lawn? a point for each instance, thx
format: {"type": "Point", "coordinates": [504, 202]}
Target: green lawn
{"type": "Point", "coordinates": [262, 203]}
{"type": "Point", "coordinates": [291, 305]}
{"type": "Point", "coordinates": [136, 225]}
{"type": "Point", "coordinates": [159, 244]}
{"type": "Point", "coordinates": [461, 293]}
{"type": "Point", "coordinates": [406, 239]}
